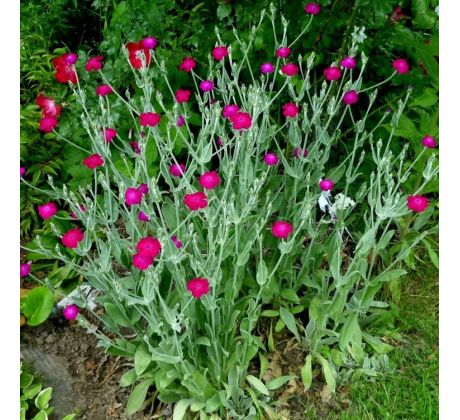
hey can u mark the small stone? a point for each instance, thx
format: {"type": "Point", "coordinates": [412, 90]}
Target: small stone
{"type": "Point", "coordinates": [50, 339]}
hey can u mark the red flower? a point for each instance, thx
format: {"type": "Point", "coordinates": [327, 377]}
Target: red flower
{"type": "Point", "coordinates": [149, 245]}
{"type": "Point", "coordinates": [198, 287]}
{"type": "Point", "coordinates": [47, 124]}
{"type": "Point", "coordinates": [241, 121]}
{"type": "Point", "coordinates": [188, 64]}
{"type": "Point", "coordinates": [93, 161]}
{"type": "Point", "coordinates": [94, 63]}
{"type": "Point", "coordinates": [196, 201]}
{"type": "Point", "coordinates": [48, 106]}
{"type": "Point", "coordinates": [150, 119]}
{"type": "Point", "coordinates": [135, 50]}
{"type": "Point", "coordinates": [182, 95]}
{"type": "Point", "coordinates": [103, 90]}
{"type": "Point", "coordinates": [290, 69]}
{"type": "Point", "coordinates": [65, 70]}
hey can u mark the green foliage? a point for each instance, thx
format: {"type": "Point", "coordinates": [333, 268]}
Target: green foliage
{"type": "Point", "coordinates": [37, 305]}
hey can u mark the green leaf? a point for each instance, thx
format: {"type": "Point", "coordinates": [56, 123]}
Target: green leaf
{"type": "Point", "coordinates": [432, 253]}
{"type": "Point", "coordinates": [306, 373]}
{"type": "Point", "coordinates": [289, 320]}
{"type": "Point", "coordinates": [349, 329]}
{"type": "Point", "coordinates": [180, 409]}
{"type": "Point", "coordinates": [41, 416]}
{"type": "Point", "coordinates": [128, 378]}
{"type": "Point", "coordinates": [204, 341]}
{"type": "Point", "coordinates": [26, 380]}
{"type": "Point", "coordinates": [223, 10]}
{"type": "Point", "coordinates": [262, 273]}
{"type": "Point", "coordinates": [43, 398]}
{"type": "Point", "coordinates": [38, 305]}
{"type": "Point", "coordinates": [69, 417]}
{"type": "Point", "coordinates": [32, 390]}
{"type": "Point", "coordinates": [279, 382]}
{"type": "Point", "coordinates": [328, 373]}
{"type": "Point", "coordinates": [244, 254]}
{"type": "Point", "coordinates": [426, 99]}
{"type": "Point", "coordinates": [378, 345]}
{"type": "Point", "coordinates": [137, 396]}
{"type": "Point", "coordinates": [290, 295]}
{"type": "Point", "coordinates": [114, 312]}
{"type": "Point", "coordinates": [151, 157]}
{"type": "Point", "coordinates": [270, 313]}
{"type": "Point", "coordinates": [387, 276]}
{"type": "Point", "coordinates": [142, 359]}
{"type": "Point", "coordinates": [257, 384]}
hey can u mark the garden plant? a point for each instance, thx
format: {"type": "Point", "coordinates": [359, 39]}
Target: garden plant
{"type": "Point", "coordinates": [257, 192]}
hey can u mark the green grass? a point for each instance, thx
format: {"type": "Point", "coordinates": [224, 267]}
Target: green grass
{"type": "Point", "coordinates": [411, 391]}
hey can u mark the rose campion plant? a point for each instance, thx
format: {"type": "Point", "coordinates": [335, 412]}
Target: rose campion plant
{"type": "Point", "coordinates": [183, 260]}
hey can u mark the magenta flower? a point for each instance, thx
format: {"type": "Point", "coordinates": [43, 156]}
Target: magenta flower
{"type": "Point", "coordinates": [417, 203]}
{"type": "Point", "coordinates": [143, 217]}
{"type": "Point", "coordinates": [290, 69]}
{"type": "Point", "coordinates": [135, 147]}
{"type": "Point", "coordinates": [188, 64]}
{"type": "Point", "coordinates": [290, 110]}
{"type": "Point", "coordinates": [281, 229]}
{"type": "Point", "coordinates": [47, 210]}
{"type": "Point", "coordinates": [219, 53]}
{"type": "Point", "coordinates": [70, 312]}
{"type": "Point", "coordinates": [150, 245]}
{"type": "Point", "coordinates": [143, 188]}
{"type": "Point", "coordinates": [48, 124]}
{"type": "Point", "coordinates": [283, 52]}
{"type": "Point", "coordinates": [271, 159]}
{"type": "Point", "coordinates": [70, 58]}
{"type": "Point", "coordinates": [429, 142]}
{"type": "Point", "coordinates": [23, 171]}
{"type": "Point", "coordinates": [198, 287]}
{"type": "Point", "coordinates": [150, 119]}
{"type": "Point", "coordinates": [350, 97]}
{"type": "Point", "coordinates": [176, 242]}
{"type": "Point", "coordinates": [103, 90]}
{"type": "Point", "coordinates": [297, 152]}
{"type": "Point", "coordinates": [241, 121]}
{"type": "Point", "coordinates": [180, 121]}
{"type": "Point", "coordinates": [230, 110]}
{"type": "Point", "coordinates": [209, 180]}
{"type": "Point", "coordinates": [219, 141]}
{"type": "Point", "coordinates": [206, 85]}
{"type": "Point", "coordinates": [93, 161]}
{"type": "Point", "coordinates": [196, 201]}
{"type": "Point", "coordinates": [401, 66]}
{"type": "Point", "coordinates": [312, 8]}
{"type": "Point", "coordinates": [149, 43]}
{"type": "Point", "coordinates": [25, 269]}
{"type": "Point", "coordinates": [182, 95]}
{"type": "Point", "coordinates": [348, 63]}
{"type": "Point", "coordinates": [94, 63]}
{"type": "Point", "coordinates": [142, 260]}
{"type": "Point", "coordinates": [133, 196]}
{"type": "Point", "coordinates": [109, 134]}
{"type": "Point", "coordinates": [72, 237]}
{"type": "Point", "coordinates": [82, 209]}
{"type": "Point", "coordinates": [267, 68]}
{"type": "Point", "coordinates": [332, 73]}
{"type": "Point", "coordinates": [177, 169]}
{"type": "Point", "coordinates": [326, 184]}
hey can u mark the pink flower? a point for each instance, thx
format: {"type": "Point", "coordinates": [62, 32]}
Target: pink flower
{"type": "Point", "coordinates": [72, 237]}
{"type": "Point", "coordinates": [219, 141]}
{"type": "Point", "coordinates": [350, 97]}
{"type": "Point", "coordinates": [429, 142]}
{"type": "Point", "coordinates": [297, 152]}
{"type": "Point", "coordinates": [150, 119]}
{"type": "Point", "coordinates": [149, 43]}
{"type": "Point", "coordinates": [326, 184]}
{"type": "Point", "coordinates": [230, 110]}
{"type": "Point", "coordinates": [188, 64]}
{"type": "Point", "coordinates": [290, 110]}
{"type": "Point", "coordinates": [271, 159]}
{"type": "Point", "coordinates": [144, 188]}
{"type": "Point", "coordinates": [400, 65]}
{"type": "Point", "coordinates": [48, 124]}
{"type": "Point", "coordinates": [48, 106]}
{"type": "Point", "coordinates": [47, 210]}
{"type": "Point", "coordinates": [182, 95]}
{"type": "Point", "coordinates": [290, 69]}
{"type": "Point", "coordinates": [180, 121]}
{"type": "Point", "coordinates": [332, 73]}
{"type": "Point", "coordinates": [93, 161]}
{"type": "Point", "coordinates": [177, 169]}
{"type": "Point", "coordinates": [267, 68]}
{"type": "Point", "coordinates": [23, 171]}
{"type": "Point", "coordinates": [312, 8]}
{"type": "Point", "coordinates": [150, 245]}
{"type": "Point", "coordinates": [209, 180]}
{"type": "Point", "coordinates": [135, 147]}
{"type": "Point", "coordinates": [196, 201]}
{"type": "Point", "coordinates": [176, 242]}
{"type": "Point", "coordinates": [65, 71]}
{"type": "Point", "coordinates": [109, 134]}
{"type": "Point", "coordinates": [241, 121]}
{"type": "Point", "coordinates": [417, 203]}
{"type": "Point", "coordinates": [219, 53]}
{"type": "Point", "coordinates": [25, 269]}
{"type": "Point", "coordinates": [281, 229]}
{"type": "Point", "coordinates": [135, 54]}
{"type": "Point", "coordinates": [206, 85]}
{"type": "Point", "coordinates": [82, 209]}
{"type": "Point", "coordinates": [133, 196]}
{"type": "Point", "coordinates": [70, 58]}
{"type": "Point", "coordinates": [103, 90]}
{"type": "Point", "coordinates": [283, 52]}
{"type": "Point", "coordinates": [143, 217]}
{"type": "Point", "coordinates": [142, 260]}
{"type": "Point", "coordinates": [70, 312]}
{"type": "Point", "coordinates": [198, 287]}
{"type": "Point", "coordinates": [94, 63]}
{"type": "Point", "coordinates": [348, 63]}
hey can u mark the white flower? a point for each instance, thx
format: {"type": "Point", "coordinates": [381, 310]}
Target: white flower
{"type": "Point", "coordinates": [341, 202]}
